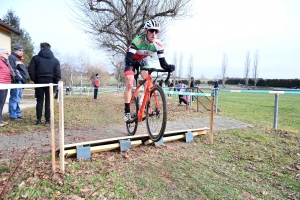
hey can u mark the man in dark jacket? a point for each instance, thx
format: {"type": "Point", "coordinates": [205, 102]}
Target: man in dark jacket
{"type": "Point", "coordinates": [192, 84]}
{"type": "Point", "coordinates": [15, 60]}
{"type": "Point", "coordinates": [44, 68]}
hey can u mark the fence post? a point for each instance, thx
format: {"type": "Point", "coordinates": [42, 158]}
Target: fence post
{"type": "Point", "coordinates": [216, 100]}
{"type": "Point", "coordinates": [61, 126]}
{"type": "Point", "coordinates": [276, 111]}
{"type": "Point", "coordinates": [52, 127]}
{"type": "Point", "coordinates": [211, 136]}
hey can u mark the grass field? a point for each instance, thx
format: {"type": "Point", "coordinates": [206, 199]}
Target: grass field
{"type": "Point", "coordinates": [250, 163]}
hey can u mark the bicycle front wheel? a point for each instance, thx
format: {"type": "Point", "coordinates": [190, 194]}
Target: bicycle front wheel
{"type": "Point", "coordinates": [156, 114]}
{"type": "Point", "coordinates": [133, 124]}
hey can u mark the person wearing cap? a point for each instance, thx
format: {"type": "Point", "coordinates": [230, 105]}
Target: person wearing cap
{"type": "Point", "coordinates": [16, 62]}
{"type": "Point", "coordinates": [44, 68]}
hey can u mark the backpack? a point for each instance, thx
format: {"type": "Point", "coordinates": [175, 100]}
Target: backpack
{"type": "Point", "coordinates": [95, 82]}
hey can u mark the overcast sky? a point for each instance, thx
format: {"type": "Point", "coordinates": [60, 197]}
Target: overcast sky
{"type": "Point", "coordinates": [219, 26]}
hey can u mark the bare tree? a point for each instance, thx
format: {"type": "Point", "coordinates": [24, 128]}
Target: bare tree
{"type": "Point", "coordinates": [68, 69]}
{"type": "Point", "coordinates": [247, 68]}
{"type": "Point", "coordinates": [190, 67]}
{"type": "Point", "coordinates": [175, 73]}
{"type": "Point", "coordinates": [118, 63]}
{"type": "Point", "coordinates": [113, 24]}
{"type": "Point", "coordinates": [255, 67]}
{"type": "Point", "coordinates": [180, 67]}
{"type": "Point", "coordinates": [224, 69]}
{"type": "Point", "coordinates": [78, 73]}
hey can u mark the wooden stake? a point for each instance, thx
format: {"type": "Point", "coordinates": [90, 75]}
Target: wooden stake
{"type": "Point", "coordinates": [61, 126]}
{"type": "Point", "coordinates": [211, 136]}
{"type": "Point", "coordinates": [52, 126]}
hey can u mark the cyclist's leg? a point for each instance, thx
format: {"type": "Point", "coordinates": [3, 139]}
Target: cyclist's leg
{"type": "Point", "coordinates": [129, 78]}
{"type": "Point", "coordinates": [144, 74]}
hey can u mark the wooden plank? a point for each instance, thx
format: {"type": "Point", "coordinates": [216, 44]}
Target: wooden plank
{"type": "Point", "coordinates": [171, 138]}
{"type": "Point", "coordinates": [108, 147]}
{"type": "Point", "coordinates": [96, 142]}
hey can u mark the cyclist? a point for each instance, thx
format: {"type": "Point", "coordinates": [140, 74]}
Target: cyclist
{"type": "Point", "coordinates": [142, 46]}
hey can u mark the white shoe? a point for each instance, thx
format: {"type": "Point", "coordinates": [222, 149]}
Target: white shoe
{"type": "Point", "coordinates": [127, 117]}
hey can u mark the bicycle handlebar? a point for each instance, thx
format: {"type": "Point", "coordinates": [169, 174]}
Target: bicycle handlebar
{"type": "Point", "coordinates": [150, 70]}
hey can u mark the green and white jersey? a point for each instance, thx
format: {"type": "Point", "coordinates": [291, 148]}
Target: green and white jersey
{"type": "Point", "coordinates": [141, 48]}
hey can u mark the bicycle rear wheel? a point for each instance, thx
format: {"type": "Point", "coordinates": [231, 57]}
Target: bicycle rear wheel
{"type": "Point", "coordinates": [132, 126]}
{"type": "Point", "coordinates": [156, 114]}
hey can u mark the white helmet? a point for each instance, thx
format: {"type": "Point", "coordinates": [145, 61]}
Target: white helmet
{"type": "Point", "coordinates": [152, 24]}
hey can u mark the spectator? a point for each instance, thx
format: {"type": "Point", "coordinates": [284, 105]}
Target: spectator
{"type": "Point", "coordinates": [56, 92]}
{"type": "Point", "coordinates": [44, 68]}
{"type": "Point", "coordinates": [96, 84]}
{"type": "Point", "coordinates": [170, 86]}
{"type": "Point", "coordinates": [7, 75]}
{"type": "Point", "coordinates": [179, 87]}
{"type": "Point", "coordinates": [192, 84]}
{"type": "Point", "coordinates": [185, 99]}
{"type": "Point", "coordinates": [161, 83]}
{"type": "Point", "coordinates": [16, 62]}
{"type": "Point", "coordinates": [216, 84]}
{"type": "Point", "coordinates": [216, 87]}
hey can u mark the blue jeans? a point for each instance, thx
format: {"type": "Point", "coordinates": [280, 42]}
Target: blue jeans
{"type": "Point", "coordinates": [14, 102]}
{"type": "Point", "coordinates": [3, 94]}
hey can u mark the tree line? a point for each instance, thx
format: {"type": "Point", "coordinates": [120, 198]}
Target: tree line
{"type": "Point", "coordinates": [286, 83]}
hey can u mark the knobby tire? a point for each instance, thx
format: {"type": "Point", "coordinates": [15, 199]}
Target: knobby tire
{"type": "Point", "coordinates": [156, 118]}
{"type": "Point", "coordinates": [132, 127]}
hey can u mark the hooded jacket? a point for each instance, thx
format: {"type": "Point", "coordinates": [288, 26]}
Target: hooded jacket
{"type": "Point", "coordinates": [44, 67]}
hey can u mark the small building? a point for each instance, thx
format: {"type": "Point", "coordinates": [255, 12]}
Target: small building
{"type": "Point", "coordinates": [6, 30]}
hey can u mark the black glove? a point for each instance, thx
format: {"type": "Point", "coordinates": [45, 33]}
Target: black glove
{"type": "Point", "coordinates": [171, 68]}
{"type": "Point", "coordinates": [136, 65]}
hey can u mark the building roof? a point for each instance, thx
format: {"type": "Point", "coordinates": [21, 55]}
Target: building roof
{"type": "Point", "coordinates": [8, 27]}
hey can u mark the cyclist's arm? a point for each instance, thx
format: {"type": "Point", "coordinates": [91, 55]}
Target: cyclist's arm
{"type": "Point", "coordinates": [129, 56]}
{"type": "Point", "coordinates": [162, 61]}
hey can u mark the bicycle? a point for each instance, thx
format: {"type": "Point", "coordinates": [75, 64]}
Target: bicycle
{"type": "Point", "coordinates": [153, 108]}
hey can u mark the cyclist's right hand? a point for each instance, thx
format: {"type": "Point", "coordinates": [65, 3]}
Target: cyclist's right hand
{"type": "Point", "coordinates": [171, 68]}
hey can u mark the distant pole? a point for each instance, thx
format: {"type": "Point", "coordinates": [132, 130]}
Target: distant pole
{"type": "Point", "coordinates": [81, 83]}
{"type": "Point", "coordinates": [81, 77]}
{"type": "Point", "coordinates": [216, 99]}
{"type": "Point", "coordinates": [276, 111]}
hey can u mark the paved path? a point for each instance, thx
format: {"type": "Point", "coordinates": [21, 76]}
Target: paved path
{"type": "Point", "coordinates": [41, 141]}
{"type": "Point", "coordinates": [23, 104]}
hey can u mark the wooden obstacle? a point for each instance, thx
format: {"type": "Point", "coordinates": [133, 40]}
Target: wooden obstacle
{"type": "Point", "coordinates": [114, 143]}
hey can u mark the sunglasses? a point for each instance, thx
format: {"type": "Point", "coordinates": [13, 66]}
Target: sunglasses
{"type": "Point", "coordinates": [153, 30]}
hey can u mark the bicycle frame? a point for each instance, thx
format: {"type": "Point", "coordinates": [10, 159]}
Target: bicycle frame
{"type": "Point", "coordinates": [146, 96]}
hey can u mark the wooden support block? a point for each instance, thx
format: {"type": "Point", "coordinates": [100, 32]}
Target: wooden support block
{"type": "Point", "coordinates": [125, 145]}
{"type": "Point", "coordinates": [189, 137]}
{"type": "Point", "coordinates": [160, 142]}
{"type": "Point", "coordinates": [83, 152]}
